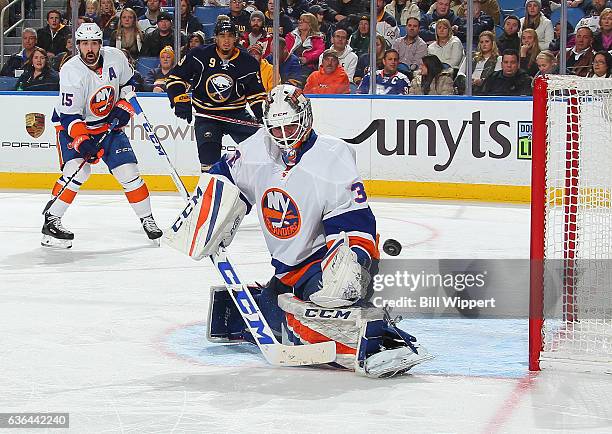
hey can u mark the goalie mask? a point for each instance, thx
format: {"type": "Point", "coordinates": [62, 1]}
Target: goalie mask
{"type": "Point", "coordinates": [288, 119]}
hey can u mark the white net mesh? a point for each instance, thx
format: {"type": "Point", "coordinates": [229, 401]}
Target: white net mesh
{"type": "Point", "coordinates": [578, 223]}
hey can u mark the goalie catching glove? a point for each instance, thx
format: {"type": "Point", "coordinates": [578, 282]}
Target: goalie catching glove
{"type": "Point", "coordinates": [210, 219]}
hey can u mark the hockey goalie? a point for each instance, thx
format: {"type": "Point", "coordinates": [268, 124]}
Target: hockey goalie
{"type": "Point", "coordinates": [320, 232]}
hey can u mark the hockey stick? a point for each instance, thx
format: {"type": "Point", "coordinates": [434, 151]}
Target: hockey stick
{"type": "Point", "coordinates": [273, 351]}
{"type": "Point", "coordinates": [229, 120]}
{"type": "Point", "coordinates": [76, 172]}
{"type": "Point", "coordinates": [131, 98]}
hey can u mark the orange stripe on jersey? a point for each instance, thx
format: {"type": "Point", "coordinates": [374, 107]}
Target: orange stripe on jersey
{"type": "Point", "coordinates": [138, 195]}
{"type": "Point", "coordinates": [292, 277]}
{"type": "Point", "coordinates": [204, 211]}
{"type": "Point", "coordinates": [367, 245]}
{"type": "Point", "coordinates": [312, 336]}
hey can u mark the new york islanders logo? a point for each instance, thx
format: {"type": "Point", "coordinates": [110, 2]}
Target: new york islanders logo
{"type": "Point", "coordinates": [280, 213]}
{"type": "Point", "coordinates": [102, 101]}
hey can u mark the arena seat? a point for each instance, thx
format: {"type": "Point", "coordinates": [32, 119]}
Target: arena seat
{"type": "Point", "coordinates": [573, 16]}
{"type": "Point", "coordinates": [8, 83]}
{"type": "Point", "coordinates": [509, 6]}
{"type": "Point", "coordinates": [209, 14]}
{"type": "Point", "coordinates": [146, 64]}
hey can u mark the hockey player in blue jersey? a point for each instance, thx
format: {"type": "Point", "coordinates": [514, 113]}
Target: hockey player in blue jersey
{"type": "Point", "coordinates": [389, 81]}
{"type": "Point", "coordinates": [319, 230]}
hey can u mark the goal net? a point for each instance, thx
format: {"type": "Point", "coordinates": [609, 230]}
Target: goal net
{"type": "Point", "coordinates": [571, 225]}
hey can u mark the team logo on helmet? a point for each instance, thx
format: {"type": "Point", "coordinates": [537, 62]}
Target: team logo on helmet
{"type": "Point", "coordinates": [219, 87]}
{"type": "Point", "coordinates": [280, 213]}
{"type": "Point", "coordinates": [35, 124]}
{"type": "Point", "coordinates": [103, 101]}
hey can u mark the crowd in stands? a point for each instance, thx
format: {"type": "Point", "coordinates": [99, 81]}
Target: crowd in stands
{"type": "Point", "coordinates": [324, 45]}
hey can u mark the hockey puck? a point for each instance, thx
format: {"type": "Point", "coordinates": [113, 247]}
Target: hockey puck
{"type": "Point", "coordinates": [392, 247]}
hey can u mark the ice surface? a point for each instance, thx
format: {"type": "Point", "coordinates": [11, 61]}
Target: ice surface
{"type": "Point", "coordinates": [112, 331]}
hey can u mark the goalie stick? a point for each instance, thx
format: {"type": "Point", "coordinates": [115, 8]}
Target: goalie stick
{"type": "Point", "coordinates": [273, 351]}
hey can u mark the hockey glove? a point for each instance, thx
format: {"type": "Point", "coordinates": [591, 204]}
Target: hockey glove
{"type": "Point", "coordinates": [89, 147]}
{"type": "Point", "coordinates": [123, 112]}
{"type": "Point", "coordinates": [182, 107]}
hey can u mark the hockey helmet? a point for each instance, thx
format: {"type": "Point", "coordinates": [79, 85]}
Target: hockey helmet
{"type": "Point", "coordinates": [88, 32]}
{"type": "Point", "coordinates": [226, 26]}
{"type": "Point", "coordinates": [287, 116]}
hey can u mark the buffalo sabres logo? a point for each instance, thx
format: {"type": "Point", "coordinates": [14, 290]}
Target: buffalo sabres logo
{"type": "Point", "coordinates": [280, 214]}
{"type": "Point", "coordinates": [102, 101]}
{"type": "Point", "coordinates": [219, 87]}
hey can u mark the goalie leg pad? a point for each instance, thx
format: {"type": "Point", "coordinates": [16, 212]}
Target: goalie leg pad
{"type": "Point", "coordinates": [225, 324]}
{"type": "Point", "coordinates": [210, 219]}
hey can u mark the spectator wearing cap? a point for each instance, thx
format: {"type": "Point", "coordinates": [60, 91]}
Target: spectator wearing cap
{"type": "Point", "coordinates": [579, 58]}
{"type": "Point", "coordinates": [441, 10]}
{"type": "Point", "coordinates": [18, 61]}
{"type": "Point", "coordinates": [360, 39]}
{"type": "Point", "coordinates": [148, 22]}
{"type": "Point", "coordinates": [240, 17]}
{"type": "Point", "coordinates": [325, 26]}
{"type": "Point", "coordinates": [156, 78]}
{"type": "Point", "coordinates": [155, 41]}
{"type": "Point", "coordinates": [286, 25]}
{"type": "Point", "coordinates": [401, 10]}
{"type": "Point", "coordinates": [194, 40]}
{"type": "Point", "coordinates": [128, 34]}
{"type": "Point", "coordinates": [266, 71]}
{"type": "Point", "coordinates": [344, 53]}
{"type": "Point", "coordinates": [535, 19]}
{"type": "Point", "coordinates": [510, 39]}
{"type": "Point", "coordinates": [52, 37]}
{"type": "Point", "coordinates": [257, 35]}
{"type": "Point", "coordinates": [330, 78]}
{"type": "Point", "coordinates": [189, 22]}
{"type": "Point", "coordinates": [412, 47]}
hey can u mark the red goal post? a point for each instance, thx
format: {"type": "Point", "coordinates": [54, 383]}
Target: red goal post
{"type": "Point", "coordinates": [570, 323]}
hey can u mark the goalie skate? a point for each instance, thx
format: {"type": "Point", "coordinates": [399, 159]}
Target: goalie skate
{"type": "Point", "coordinates": [54, 234]}
{"type": "Point", "coordinates": [390, 363]}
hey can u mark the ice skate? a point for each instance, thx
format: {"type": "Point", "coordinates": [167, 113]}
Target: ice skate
{"type": "Point", "coordinates": [54, 234]}
{"type": "Point", "coordinates": [151, 229]}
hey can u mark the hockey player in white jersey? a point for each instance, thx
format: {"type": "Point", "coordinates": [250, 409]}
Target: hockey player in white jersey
{"type": "Point", "coordinates": [319, 230]}
{"type": "Point", "coordinates": [92, 87]}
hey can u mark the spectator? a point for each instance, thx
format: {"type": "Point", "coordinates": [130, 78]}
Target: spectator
{"type": "Point", "coordinates": [602, 40]}
{"type": "Point", "coordinates": [511, 80]}
{"type": "Point", "coordinates": [389, 81]}
{"type": "Point", "coordinates": [148, 22]}
{"type": "Point", "coordinates": [432, 79]}
{"type": "Point", "coordinates": [17, 62]}
{"type": "Point", "coordinates": [330, 78]}
{"type": "Point", "coordinates": [80, 12]}
{"type": "Point", "coordinates": [554, 45]}
{"type": "Point", "coordinates": [592, 17]}
{"type": "Point", "coordinates": [547, 63]}
{"type": "Point", "coordinates": [401, 10]}
{"type": "Point", "coordinates": [481, 20]}
{"type": "Point", "coordinates": [38, 75]}
{"type": "Point", "coordinates": [341, 11]}
{"type": "Point", "coordinates": [579, 58]}
{"type": "Point", "coordinates": [289, 67]}
{"type": "Point", "coordinates": [529, 51]}
{"type": "Point", "coordinates": [156, 78]}
{"type": "Point", "coordinates": [52, 37]}
{"type": "Point", "coordinates": [155, 41]}
{"type": "Point", "coordinates": [128, 35]}
{"type": "Point", "coordinates": [286, 25]}
{"type": "Point", "coordinates": [266, 70]}
{"type": "Point", "coordinates": [602, 65]}
{"type": "Point", "coordinates": [442, 10]}
{"type": "Point", "coordinates": [295, 8]}
{"type": "Point", "coordinates": [344, 53]}
{"type": "Point", "coordinates": [189, 22]}
{"type": "Point", "coordinates": [108, 18]}
{"type": "Point", "coordinates": [306, 42]}
{"type": "Point", "coordinates": [386, 24]}
{"type": "Point", "coordinates": [447, 47]}
{"type": "Point", "coordinates": [535, 19]}
{"type": "Point", "coordinates": [360, 39]}
{"type": "Point", "coordinates": [92, 10]}
{"type": "Point", "coordinates": [595, 7]}
{"type": "Point", "coordinates": [510, 39]}
{"type": "Point", "coordinates": [194, 40]}
{"type": "Point", "coordinates": [58, 61]}
{"type": "Point", "coordinates": [325, 26]}
{"type": "Point", "coordinates": [489, 7]}
{"type": "Point", "coordinates": [363, 63]}
{"type": "Point", "coordinates": [485, 61]}
{"type": "Point", "coordinates": [257, 35]}
{"type": "Point", "coordinates": [411, 48]}
{"type": "Point", "coordinates": [137, 80]}
{"type": "Point", "coordinates": [240, 17]}
{"type": "Point", "coordinates": [136, 5]}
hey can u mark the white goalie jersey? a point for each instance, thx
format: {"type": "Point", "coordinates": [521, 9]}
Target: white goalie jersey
{"type": "Point", "coordinates": [89, 96]}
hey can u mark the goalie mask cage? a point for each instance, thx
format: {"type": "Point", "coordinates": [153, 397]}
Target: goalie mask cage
{"type": "Point", "coordinates": [570, 321]}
